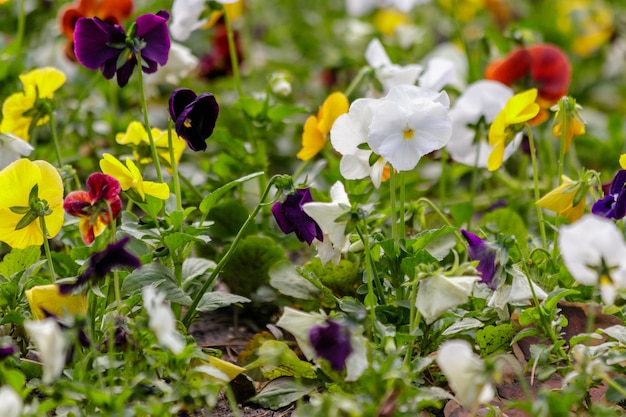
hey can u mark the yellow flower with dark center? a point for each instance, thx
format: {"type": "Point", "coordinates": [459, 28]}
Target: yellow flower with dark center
{"type": "Point", "coordinates": [519, 109]}
{"type": "Point", "coordinates": [316, 128]}
{"type": "Point", "coordinates": [130, 177]}
{"type": "Point", "coordinates": [30, 191]}
{"type": "Point", "coordinates": [32, 105]}
{"type": "Point", "coordinates": [561, 200]}
{"type": "Point", "coordinates": [137, 137]}
{"type": "Point", "coordinates": [48, 298]}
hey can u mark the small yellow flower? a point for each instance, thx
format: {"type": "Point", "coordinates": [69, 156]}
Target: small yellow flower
{"type": "Point", "coordinates": [29, 190]}
{"type": "Point", "coordinates": [561, 200]}
{"type": "Point", "coordinates": [21, 109]}
{"type": "Point", "coordinates": [316, 128]}
{"type": "Point", "coordinates": [588, 23]}
{"type": "Point", "coordinates": [233, 10]}
{"type": "Point", "coordinates": [388, 20]}
{"type": "Point", "coordinates": [137, 136]}
{"type": "Point", "coordinates": [518, 109]}
{"type": "Point", "coordinates": [130, 178]}
{"type": "Point", "coordinates": [48, 298]}
{"type": "Point", "coordinates": [574, 125]}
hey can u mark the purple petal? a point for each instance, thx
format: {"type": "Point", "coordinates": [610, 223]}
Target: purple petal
{"type": "Point", "coordinates": [179, 99]}
{"type": "Point", "coordinates": [125, 71]}
{"type": "Point", "coordinates": [196, 122]}
{"type": "Point", "coordinates": [617, 185]}
{"type": "Point", "coordinates": [291, 217]}
{"type": "Point", "coordinates": [92, 40]}
{"type": "Point", "coordinates": [478, 250]}
{"type": "Point", "coordinates": [153, 30]}
{"type": "Point", "coordinates": [331, 342]}
{"type": "Point", "coordinates": [604, 206]}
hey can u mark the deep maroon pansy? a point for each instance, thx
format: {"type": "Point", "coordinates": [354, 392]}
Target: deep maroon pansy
{"type": "Point", "coordinates": [194, 116]}
{"type": "Point", "coordinates": [291, 217]}
{"type": "Point", "coordinates": [95, 207]}
{"type": "Point", "coordinates": [613, 205]}
{"type": "Point", "coordinates": [331, 341]}
{"type": "Point", "coordinates": [101, 263]}
{"type": "Point", "coordinates": [105, 46]}
{"type": "Point", "coordinates": [480, 251]}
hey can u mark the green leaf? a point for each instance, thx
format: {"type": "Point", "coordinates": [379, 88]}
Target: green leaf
{"type": "Point", "coordinates": [158, 275]}
{"type": "Point", "coordinates": [195, 268]}
{"type": "Point", "coordinates": [217, 299]}
{"type": "Point", "coordinates": [178, 240]}
{"type": "Point", "coordinates": [19, 259]}
{"type": "Point", "coordinates": [285, 278]}
{"type": "Point", "coordinates": [282, 392]}
{"type": "Point", "coordinates": [209, 201]}
{"type": "Point", "coordinates": [492, 339]}
{"type": "Point", "coordinates": [507, 222]}
{"type": "Point", "coordinates": [423, 239]}
{"type": "Point", "coordinates": [555, 296]}
{"type": "Point", "coordinates": [152, 206]}
{"type": "Point", "coordinates": [277, 359]}
{"type": "Point", "coordinates": [343, 278]}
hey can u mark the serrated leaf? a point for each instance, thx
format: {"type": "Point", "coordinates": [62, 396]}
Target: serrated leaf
{"type": "Point", "coordinates": [158, 275]}
{"type": "Point", "coordinates": [210, 200]}
{"type": "Point", "coordinates": [217, 299]}
{"type": "Point", "coordinates": [19, 259]}
{"type": "Point", "coordinates": [282, 392]}
{"type": "Point", "coordinates": [285, 278]}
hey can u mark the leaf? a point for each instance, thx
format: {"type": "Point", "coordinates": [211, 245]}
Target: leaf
{"type": "Point", "coordinates": [492, 339]}
{"type": "Point", "coordinates": [425, 238]}
{"type": "Point", "coordinates": [19, 259]}
{"type": "Point", "coordinates": [194, 268]}
{"type": "Point", "coordinates": [177, 240]}
{"type": "Point", "coordinates": [343, 279]}
{"type": "Point", "coordinates": [218, 299]}
{"type": "Point", "coordinates": [277, 359]}
{"type": "Point", "coordinates": [285, 278]}
{"type": "Point", "coordinates": [507, 222]}
{"type": "Point", "coordinates": [210, 200]}
{"type": "Point", "coordinates": [282, 392]}
{"type": "Point", "coordinates": [158, 275]}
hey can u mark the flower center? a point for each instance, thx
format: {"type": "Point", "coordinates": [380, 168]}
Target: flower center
{"type": "Point", "coordinates": [187, 123]}
{"type": "Point", "coordinates": [408, 134]}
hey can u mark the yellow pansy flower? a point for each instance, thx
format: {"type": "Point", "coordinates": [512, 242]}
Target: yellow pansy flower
{"type": "Point", "coordinates": [561, 200]}
{"type": "Point", "coordinates": [233, 10]}
{"type": "Point", "coordinates": [574, 125]}
{"type": "Point", "coordinates": [130, 178]}
{"type": "Point", "coordinates": [137, 136]}
{"type": "Point", "coordinates": [387, 20]}
{"type": "Point", "coordinates": [29, 190]}
{"type": "Point", "coordinates": [21, 109]}
{"type": "Point", "coordinates": [518, 109]}
{"type": "Point", "coordinates": [316, 128]}
{"type": "Point", "coordinates": [48, 298]}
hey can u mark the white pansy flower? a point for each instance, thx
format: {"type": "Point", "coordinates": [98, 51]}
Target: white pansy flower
{"type": "Point", "coordinates": [186, 17]}
{"type": "Point", "coordinates": [388, 73]}
{"type": "Point", "coordinates": [481, 102]}
{"type": "Point", "coordinates": [51, 345]}
{"type": "Point", "coordinates": [12, 148]}
{"type": "Point", "coordinates": [349, 131]}
{"type": "Point", "coordinates": [162, 321]}
{"type": "Point", "coordinates": [594, 252]}
{"type": "Point", "coordinates": [464, 371]}
{"type": "Point", "coordinates": [438, 294]}
{"type": "Point", "coordinates": [439, 73]}
{"type": "Point", "coordinates": [11, 403]}
{"type": "Point", "coordinates": [335, 240]}
{"type": "Point", "coordinates": [409, 123]}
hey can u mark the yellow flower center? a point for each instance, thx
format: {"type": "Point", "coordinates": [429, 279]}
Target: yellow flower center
{"type": "Point", "coordinates": [408, 134]}
{"type": "Point", "coordinates": [187, 123]}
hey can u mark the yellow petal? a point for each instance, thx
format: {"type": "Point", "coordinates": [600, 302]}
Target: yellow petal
{"type": "Point", "coordinates": [156, 189]}
{"type": "Point", "coordinates": [135, 134]}
{"type": "Point", "coordinates": [622, 161]}
{"type": "Point", "coordinates": [496, 157]}
{"type": "Point", "coordinates": [137, 178]}
{"type": "Point", "coordinates": [560, 198]}
{"type": "Point", "coordinates": [47, 297]}
{"type": "Point", "coordinates": [387, 20]}
{"type": "Point", "coordinates": [229, 369]}
{"type": "Point", "coordinates": [334, 106]}
{"type": "Point", "coordinates": [47, 80]}
{"type": "Point", "coordinates": [521, 107]}
{"type": "Point", "coordinates": [497, 130]}
{"type": "Point", "coordinates": [110, 165]}
{"type": "Point", "coordinates": [313, 140]}
{"type": "Point", "coordinates": [13, 109]}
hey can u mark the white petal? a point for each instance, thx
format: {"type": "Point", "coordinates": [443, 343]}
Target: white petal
{"type": "Point", "coordinates": [10, 402]}
{"type": "Point", "coordinates": [51, 344]}
{"type": "Point", "coordinates": [375, 55]}
{"type": "Point", "coordinates": [439, 73]}
{"type": "Point", "coordinates": [299, 324]}
{"type": "Point", "coordinates": [186, 18]}
{"type": "Point", "coordinates": [438, 294]}
{"type": "Point", "coordinates": [356, 362]}
{"type": "Point", "coordinates": [356, 166]}
{"type": "Point", "coordinates": [350, 129]}
{"type": "Point", "coordinates": [162, 321]}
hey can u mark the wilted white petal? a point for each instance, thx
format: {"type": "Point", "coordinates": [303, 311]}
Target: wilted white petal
{"type": "Point", "coordinates": [11, 403]}
{"type": "Point", "coordinates": [51, 344]}
{"type": "Point", "coordinates": [162, 321]}
{"type": "Point", "coordinates": [438, 294]}
{"type": "Point", "coordinates": [299, 324]}
{"type": "Point", "coordinates": [356, 362]}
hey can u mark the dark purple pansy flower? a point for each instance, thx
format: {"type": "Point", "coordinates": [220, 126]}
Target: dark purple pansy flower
{"type": "Point", "coordinates": [331, 342]}
{"type": "Point", "coordinates": [105, 46]}
{"type": "Point", "coordinates": [6, 351]}
{"type": "Point", "coordinates": [613, 205]}
{"type": "Point", "coordinates": [101, 263]}
{"type": "Point", "coordinates": [480, 251]}
{"type": "Point", "coordinates": [291, 218]}
{"type": "Point", "coordinates": [194, 116]}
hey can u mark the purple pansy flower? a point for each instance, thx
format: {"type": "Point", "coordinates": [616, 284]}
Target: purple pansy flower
{"type": "Point", "coordinates": [194, 116]}
{"type": "Point", "coordinates": [101, 263]}
{"type": "Point", "coordinates": [291, 217]}
{"type": "Point", "coordinates": [480, 251]}
{"type": "Point", "coordinates": [332, 342]}
{"type": "Point", "coordinates": [105, 46]}
{"type": "Point", "coordinates": [613, 205]}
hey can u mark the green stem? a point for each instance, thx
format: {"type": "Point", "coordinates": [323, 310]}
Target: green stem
{"type": "Point", "coordinates": [392, 203]}
{"type": "Point", "coordinates": [563, 139]}
{"type": "Point", "coordinates": [441, 215]}
{"type": "Point", "coordinates": [146, 121]}
{"type": "Point", "coordinates": [401, 225]}
{"type": "Point", "coordinates": [55, 139]}
{"type": "Point", "coordinates": [21, 29]}
{"type": "Point", "coordinates": [46, 245]}
{"type": "Point", "coordinates": [232, 50]}
{"type": "Point", "coordinates": [191, 311]}
{"type": "Point", "coordinates": [415, 317]}
{"type": "Point", "coordinates": [174, 166]}
{"type": "Point", "coordinates": [356, 81]}
{"type": "Point", "coordinates": [533, 158]}
{"type": "Point", "coordinates": [617, 387]}
{"type": "Point", "coordinates": [443, 179]}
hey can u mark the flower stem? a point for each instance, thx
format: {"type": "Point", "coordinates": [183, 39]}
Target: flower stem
{"type": "Point", "coordinates": [191, 311]}
{"type": "Point", "coordinates": [146, 121]}
{"type": "Point", "coordinates": [563, 114]}
{"type": "Point", "coordinates": [356, 81]}
{"type": "Point", "coordinates": [174, 165]}
{"type": "Point", "coordinates": [46, 245]}
{"type": "Point", "coordinates": [392, 203]}
{"type": "Point", "coordinates": [533, 159]}
{"type": "Point", "coordinates": [232, 50]}
{"type": "Point", "coordinates": [55, 139]}
{"type": "Point", "coordinates": [401, 231]}
{"type": "Point", "coordinates": [21, 27]}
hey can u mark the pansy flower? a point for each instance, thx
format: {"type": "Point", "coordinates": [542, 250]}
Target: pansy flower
{"type": "Point", "coordinates": [471, 115]}
{"type": "Point", "coordinates": [561, 200]}
{"type": "Point", "coordinates": [131, 179]}
{"type": "Point", "coordinates": [111, 11]}
{"type": "Point", "coordinates": [46, 300]}
{"type": "Point", "coordinates": [613, 205]}
{"type": "Point", "coordinates": [486, 255]}
{"type": "Point", "coordinates": [33, 104]}
{"type": "Point", "coordinates": [194, 116]}
{"type": "Point", "coordinates": [30, 191]}
{"type": "Point", "coordinates": [331, 341]}
{"type": "Point", "coordinates": [11, 402]}
{"type": "Point", "coordinates": [519, 109]}
{"type": "Point", "coordinates": [290, 216]}
{"type": "Point", "coordinates": [137, 137]}
{"type": "Point", "coordinates": [567, 111]}
{"type": "Point", "coordinates": [594, 252]}
{"type": "Point", "coordinates": [218, 62]}
{"type": "Point", "coordinates": [102, 263]}
{"type": "Point", "coordinates": [317, 128]}
{"type": "Point", "coordinates": [438, 294]}
{"type": "Point", "coordinates": [386, 72]}
{"type": "Point", "coordinates": [107, 47]}
{"type": "Point", "coordinates": [409, 123]}
{"type": "Point", "coordinates": [96, 207]}
{"type": "Point", "coordinates": [187, 16]}
{"type": "Point", "coordinates": [162, 321]}
{"type": "Point", "coordinates": [546, 66]}
{"type": "Point", "coordinates": [52, 346]}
